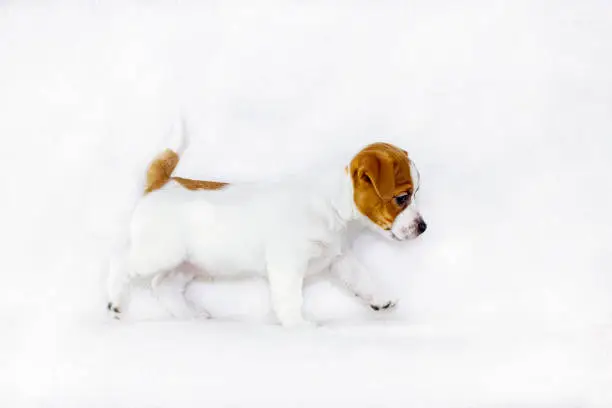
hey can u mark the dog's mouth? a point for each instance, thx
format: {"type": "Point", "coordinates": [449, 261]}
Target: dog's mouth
{"type": "Point", "coordinates": [394, 237]}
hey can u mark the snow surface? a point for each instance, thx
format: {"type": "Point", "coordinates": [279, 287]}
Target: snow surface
{"type": "Point", "coordinates": [506, 107]}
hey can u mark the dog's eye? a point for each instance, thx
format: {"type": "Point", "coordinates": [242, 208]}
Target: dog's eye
{"type": "Point", "coordinates": [402, 199]}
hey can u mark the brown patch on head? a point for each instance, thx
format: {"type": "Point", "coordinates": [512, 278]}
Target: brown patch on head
{"type": "Point", "coordinates": [199, 184]}
{"type": "Point", "coordinates": [160, 170]}
{"type": "Point", "coordinates": [380, 172]}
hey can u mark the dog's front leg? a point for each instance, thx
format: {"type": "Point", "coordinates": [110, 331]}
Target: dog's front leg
{"type": "Point", "coordinates": [362, 283]}
{"type": "Point", "coordinates": [286, 276]}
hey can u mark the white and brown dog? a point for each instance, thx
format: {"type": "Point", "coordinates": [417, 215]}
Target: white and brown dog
{"type": "Point", "coordinates": [284, 231]}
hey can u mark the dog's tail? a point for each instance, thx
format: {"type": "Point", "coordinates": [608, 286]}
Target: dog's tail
{"type": "Point", "coordinates": [161, 168]}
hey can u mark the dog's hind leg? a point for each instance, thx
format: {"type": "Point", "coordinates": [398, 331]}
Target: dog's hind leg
{"type": "Point", "coordinates": [118, 284]}
{"type": "Point", "coordinates": [171, 294]}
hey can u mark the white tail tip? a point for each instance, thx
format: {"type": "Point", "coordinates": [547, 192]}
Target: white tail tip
{"type": "Point", "coordinates": [177, 140]}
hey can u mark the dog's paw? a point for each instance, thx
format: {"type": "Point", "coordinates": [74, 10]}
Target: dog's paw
{"type": "Point", "coordinates": [202, 314]}
{"type": "Point", "coordinates": [198, 314]}
{"type": "Point", "coordinates": [197, 311]}
{"type": "Point", "coordinates": [113, 311]}
{"type": "Point", "coordinates": [383, 305]}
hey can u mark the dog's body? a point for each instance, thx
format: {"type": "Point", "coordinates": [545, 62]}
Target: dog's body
{"type": "Point", "coordinates": [284, 231]}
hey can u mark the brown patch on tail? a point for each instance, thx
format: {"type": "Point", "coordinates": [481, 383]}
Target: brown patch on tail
{"type": "Point", "coordinates": [160, 170]}
{"type": "Point", "coordinates": [199, 184]}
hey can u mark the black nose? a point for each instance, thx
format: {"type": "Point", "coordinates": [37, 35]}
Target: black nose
{"type": "Point", "coordinates": [421, 227]}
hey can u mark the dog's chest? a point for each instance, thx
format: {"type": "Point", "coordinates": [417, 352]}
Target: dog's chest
{"type": "Point", "coordinates": [323, 254]}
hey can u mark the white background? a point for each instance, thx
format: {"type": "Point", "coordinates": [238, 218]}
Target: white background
{"type": "Point", "coordinates": [505, 106]}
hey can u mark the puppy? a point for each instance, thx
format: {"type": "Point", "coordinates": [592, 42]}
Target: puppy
{"type": "Point", "coordinates": [284, 231]}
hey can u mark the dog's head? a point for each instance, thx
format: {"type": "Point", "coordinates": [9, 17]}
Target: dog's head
{"type": "Point", "coordinates": [384, 188]}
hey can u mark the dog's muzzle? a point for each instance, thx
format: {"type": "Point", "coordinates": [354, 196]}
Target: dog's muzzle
{"type": "Point", "coordinates": [408, 225]}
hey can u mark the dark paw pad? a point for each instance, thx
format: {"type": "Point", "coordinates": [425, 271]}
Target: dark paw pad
{"type": "Point", "coordinates": [383, 307]}
{"type": "Point", "coordinates": [112, 308]}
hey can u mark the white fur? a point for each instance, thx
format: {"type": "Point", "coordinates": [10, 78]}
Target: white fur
{"type": "Point", "coordinates": [283, 231]}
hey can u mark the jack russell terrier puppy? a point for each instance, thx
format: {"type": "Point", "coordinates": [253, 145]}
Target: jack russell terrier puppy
{"type": "Point", "coordinates": [284, 231]}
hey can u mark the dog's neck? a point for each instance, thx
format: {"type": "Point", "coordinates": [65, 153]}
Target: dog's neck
{"type": "Point", "coordinates": [338, 189]}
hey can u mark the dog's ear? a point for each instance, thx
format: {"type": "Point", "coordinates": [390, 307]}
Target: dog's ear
{"type": "Point", "coordinates": [376, 168]}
